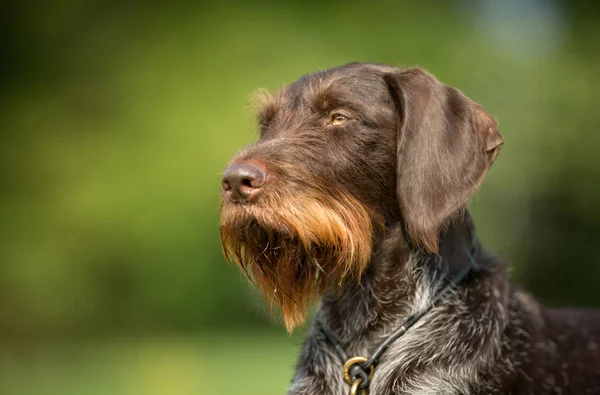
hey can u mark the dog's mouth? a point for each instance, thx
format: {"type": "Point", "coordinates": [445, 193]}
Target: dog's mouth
{"type": "Point", "coordinates": [293, 249]}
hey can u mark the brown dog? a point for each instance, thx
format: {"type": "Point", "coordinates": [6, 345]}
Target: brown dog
{"type": "Point", "coordinates": [356, 192]}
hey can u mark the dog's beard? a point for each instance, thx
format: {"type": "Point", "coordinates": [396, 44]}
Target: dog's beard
{"type": "Point", "coordinates": [294, 248]}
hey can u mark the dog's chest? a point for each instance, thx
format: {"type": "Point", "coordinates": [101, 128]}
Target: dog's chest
{"type": "Point", "coordinates": [426, 360]}
{"type": "Point", "coordinates": [395, 375]}
{"type": "Point", "coordinates": [434, 382]}
{"type": "Point", "coordinates": [399, 377]}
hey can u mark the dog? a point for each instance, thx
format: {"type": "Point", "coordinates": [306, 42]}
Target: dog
{"type": "Point", "coordinates": [356, 194]}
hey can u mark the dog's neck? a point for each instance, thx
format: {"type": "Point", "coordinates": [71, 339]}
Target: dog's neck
{"type": "Point", "coordinates": [453, 342]}
{"type": "Point", "coordinates": [395, 283]}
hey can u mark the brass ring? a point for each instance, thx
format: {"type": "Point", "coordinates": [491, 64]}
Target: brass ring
{"type": "Point", "coordinates": [354, 361]}
{"type": "Point", "coordinates": [355, 387]}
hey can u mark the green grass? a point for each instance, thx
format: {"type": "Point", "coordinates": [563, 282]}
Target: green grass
{"type": "Point", "coordinates": [215, 364]}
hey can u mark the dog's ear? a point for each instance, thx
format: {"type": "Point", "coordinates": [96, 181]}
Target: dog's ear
{"type": "Point", "coordinates": [446, 143]}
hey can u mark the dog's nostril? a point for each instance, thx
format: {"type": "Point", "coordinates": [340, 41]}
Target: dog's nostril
{"type": "Point", "coordinates": [246, 182]}
{"type": "Point", "coordinates": [242, 180]}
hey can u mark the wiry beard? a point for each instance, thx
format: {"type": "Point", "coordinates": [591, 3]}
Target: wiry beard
{"type": "Point", "coordinates": [293, 248]}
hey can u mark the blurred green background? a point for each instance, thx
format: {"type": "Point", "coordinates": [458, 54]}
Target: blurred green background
{"type": "Point", "coordinates": [117, 118]}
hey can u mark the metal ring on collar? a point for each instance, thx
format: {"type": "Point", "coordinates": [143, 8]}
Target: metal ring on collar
{"type": "Point", "coordinates": [356, 361]}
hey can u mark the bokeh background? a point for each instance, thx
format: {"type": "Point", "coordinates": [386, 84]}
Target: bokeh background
{"type": "Point", "coordinates": [117, 118]}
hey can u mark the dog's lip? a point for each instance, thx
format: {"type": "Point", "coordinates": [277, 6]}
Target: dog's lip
{"type": "Point", "coordinates": [252, 212]}
{"type": "Point", "coordinates": [252, 202]}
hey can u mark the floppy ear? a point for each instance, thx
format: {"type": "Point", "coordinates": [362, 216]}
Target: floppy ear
{"type": "Point", "coordinates": [446, 143]}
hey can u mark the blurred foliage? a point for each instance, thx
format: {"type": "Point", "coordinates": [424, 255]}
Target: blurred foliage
{"type": "Point", "coordinates": [117, 118]}
{"type": "Point", "coordinates": [216, 365]}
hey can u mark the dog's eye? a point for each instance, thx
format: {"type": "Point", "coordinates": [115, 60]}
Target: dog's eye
{"type": "Point", "coordinates": [338, 119]}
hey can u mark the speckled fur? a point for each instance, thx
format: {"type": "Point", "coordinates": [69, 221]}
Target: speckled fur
{"type": "Point", "coordinates": [487, 337]}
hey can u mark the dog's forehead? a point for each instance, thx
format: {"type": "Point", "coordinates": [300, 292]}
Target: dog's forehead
{"type": "Point", "coordinates": [358, 82]}
{"type": "Point", "coordinates": [358, 87]}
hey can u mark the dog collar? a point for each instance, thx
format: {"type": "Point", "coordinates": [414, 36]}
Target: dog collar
{"type": "Point", "coordinates": [358, 371]}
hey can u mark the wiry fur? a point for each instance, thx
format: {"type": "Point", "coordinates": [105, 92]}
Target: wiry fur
{"type": "Point", "coordinates": [295, 252]}
{"type": "Point", "coordinates": [371, 214]}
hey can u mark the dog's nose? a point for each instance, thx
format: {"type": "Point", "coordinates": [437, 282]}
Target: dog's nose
{"type": "Point", "coordinates": [242, 181]}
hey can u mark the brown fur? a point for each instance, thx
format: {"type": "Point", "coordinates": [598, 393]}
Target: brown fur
{"type": "Point", "coordinates": [296, 251]}
{"type": "Point", "coordinates": [438, 167]}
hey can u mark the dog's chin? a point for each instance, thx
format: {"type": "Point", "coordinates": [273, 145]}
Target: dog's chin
{"type": "Point", "coordinates": [294, 251]}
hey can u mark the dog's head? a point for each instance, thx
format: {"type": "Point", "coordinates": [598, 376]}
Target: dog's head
{"type": "Point", "coordinates": [343, 154]}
